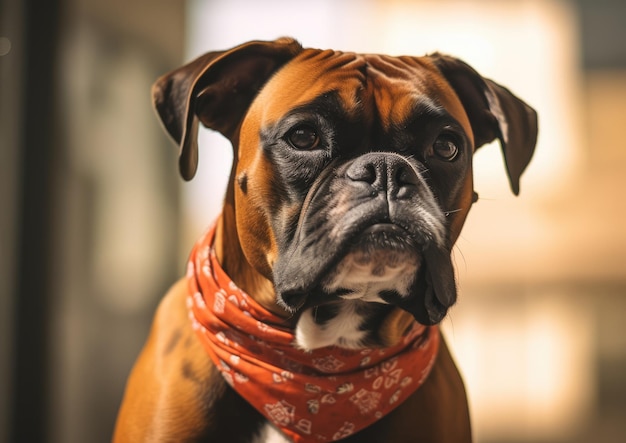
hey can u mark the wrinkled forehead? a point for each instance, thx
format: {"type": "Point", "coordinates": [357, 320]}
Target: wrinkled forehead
{"type": "Point", "coordinates": [369, 86]}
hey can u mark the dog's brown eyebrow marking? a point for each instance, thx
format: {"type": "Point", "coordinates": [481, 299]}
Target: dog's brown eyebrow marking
{"type": "Point", "coordinates": [324, 112]}
{"type": "Point", "coordinates": [310, 74]}
{"type": "Point", "coordinates": [426, 110]}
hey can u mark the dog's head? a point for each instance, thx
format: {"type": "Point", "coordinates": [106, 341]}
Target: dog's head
{"type": "Point", "coordinates": [352, 175]}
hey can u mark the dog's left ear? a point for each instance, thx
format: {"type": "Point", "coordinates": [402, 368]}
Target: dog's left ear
{"type": "Point", "coordinates": [493, 112]}
{"type": "Point", "coordinates": [216, 89]}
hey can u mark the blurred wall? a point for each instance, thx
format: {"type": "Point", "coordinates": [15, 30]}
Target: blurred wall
{"type": "Point", "coordinates": [90, 213]}
{"type": "Point", "coordinates": [27, 94]}
{"type": "Point", "coordinates": [118, 215]}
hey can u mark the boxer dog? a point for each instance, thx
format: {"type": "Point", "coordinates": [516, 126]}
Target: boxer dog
{"type": "Point", "coordinates": [309, 310]}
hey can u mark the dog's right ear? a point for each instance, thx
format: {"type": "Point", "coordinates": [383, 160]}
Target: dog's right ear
{"type": "Point", "coordinates": [216, 89]}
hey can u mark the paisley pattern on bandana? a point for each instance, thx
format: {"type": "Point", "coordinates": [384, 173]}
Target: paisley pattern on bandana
{"type": "Point", "coordinates": [323, 395]}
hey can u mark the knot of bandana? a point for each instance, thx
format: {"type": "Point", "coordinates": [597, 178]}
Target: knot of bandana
{"type": "Point", "coordinates": [323, 395]}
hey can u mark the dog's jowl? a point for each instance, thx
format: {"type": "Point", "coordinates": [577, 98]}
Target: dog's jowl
{"type": "Point", "coordinates": [310, 308]}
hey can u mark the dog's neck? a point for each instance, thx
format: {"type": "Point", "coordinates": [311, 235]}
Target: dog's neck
{"type": "Point", "coordinates": [310, 396]}
{"type": "Point", "coordinates": [233, 261]}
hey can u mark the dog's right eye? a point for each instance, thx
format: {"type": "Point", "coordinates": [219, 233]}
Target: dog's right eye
{"type": "Point", "coordinates": [303, 137]}
{"type": "Point", "coordinates": [445, 147]}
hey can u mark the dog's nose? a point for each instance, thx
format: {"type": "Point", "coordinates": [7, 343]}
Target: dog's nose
{"type": "Point", "coordinates": [384, 172]}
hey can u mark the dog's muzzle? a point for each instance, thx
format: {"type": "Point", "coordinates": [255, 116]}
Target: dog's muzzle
{"type": "Point", "coordinates": [370, 229]}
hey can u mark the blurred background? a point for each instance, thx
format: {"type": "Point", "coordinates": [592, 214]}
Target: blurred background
{"type": "Point", "coordinates": [95, 223]}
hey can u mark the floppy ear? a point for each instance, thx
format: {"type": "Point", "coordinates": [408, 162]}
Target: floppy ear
{"type": "Point", "coordinates": [493, 111]}
{"type": "Point", "coordinates": [215, 89]}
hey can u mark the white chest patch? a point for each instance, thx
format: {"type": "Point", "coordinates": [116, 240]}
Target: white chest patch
{"type": "Point", "coordinates": [342, 330]}
{"type": "Point", "coordinates": [269, 434]}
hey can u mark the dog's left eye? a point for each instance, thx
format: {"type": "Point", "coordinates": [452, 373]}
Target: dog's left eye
{"type": "Point", "coordinates": [303, 137]}
{"type": "Point", "coordinates": [445, 147]}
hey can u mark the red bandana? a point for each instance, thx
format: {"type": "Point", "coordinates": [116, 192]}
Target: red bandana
{"type": "Point", "coordinates": [323, 395]}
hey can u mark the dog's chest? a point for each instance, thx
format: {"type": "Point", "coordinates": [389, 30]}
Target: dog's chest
{"type": "Point", "coordinates": [269, 434]}
{"type": "Point", "coordinates": [341, 325]}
